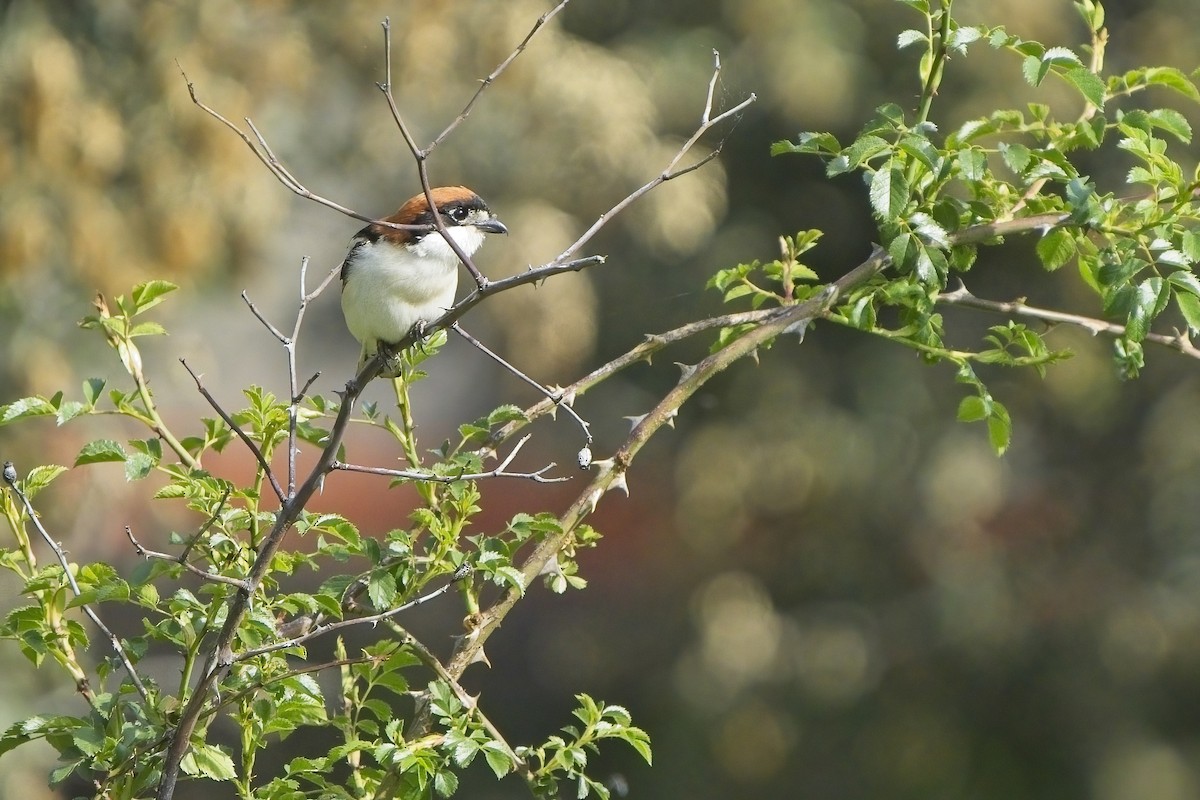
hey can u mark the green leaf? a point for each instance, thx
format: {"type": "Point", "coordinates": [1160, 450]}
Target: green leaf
{"type": "Point", "coordinates": [910, 37]}
{"type": "Point", "coordinates": [139, 465]}
{"type": "Point", "coordinates": [1145, 304]}
{"type": "Point", "coordinates": [1034, 70]}
{"type": "Point", "coordinates": [26, 407]}
{"type": "Point", "coordinates": [1189, 306]}
{"type": "Point", "coordinates": [999, 428]}
{"type": "Point", "coordinates": [972, 164]}
{"type": "Point", "coordinates": [445, 783]}
{"type": "Point", "coordinates": [92, 389]}
{"type": "Point", "coordinates": [1016, 156]}
{"type": "Point", "coordinates": [39, 478]}
{"type": "Point", "coordinates": [149, 328]}
{"type": "Point", "coordinates": [889, 191]}
{"type": "Point", "coordinates": [899, 248]}
{"type": "Point", "coordinates": [1089, 85]}
{"type": "Point", "coordinates": [972, 408]}
{"type": "Point", "coordinates": [149, 294]}
{"type": "Point", "coordinates": [928, 229]}
{"type": "Point", "coordinates": [69, 410]}
{"type": "Point", "coordinates": [1056, 248]}
{"type": "Point", "coordinates": [1171, 78]}
{"type": "Point", "coordinates": [961, 37]}
{"type": "Point", "coordinates": [100, 451]}
{"type": "Point", "coordinates": [498, 759]}
{"type": "Point", "coordinates": [1171, 121]}
{"type": "Point", "coordinates": [211, 762]}
{"type": "Point", "coordinates": [381, 587]}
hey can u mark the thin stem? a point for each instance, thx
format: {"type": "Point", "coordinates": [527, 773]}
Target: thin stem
{"type": "Point", "coordinates": [558, 397]}
{"type": "Point", "coordinates": [707, 121]}
{"type": "Point", "coordinates": [118, 648]}
{"type": "Point", "coordinates": [501, 471]}
{"type": "Point", "coordinates": [208, 576]}
{"type": "Point", "coordinates": [237, 429]}
{"type": "Point", "coordinates": [370, 619]}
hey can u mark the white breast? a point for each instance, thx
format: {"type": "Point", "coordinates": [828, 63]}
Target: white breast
{"type": "Point", "coordinates": [389, 288]}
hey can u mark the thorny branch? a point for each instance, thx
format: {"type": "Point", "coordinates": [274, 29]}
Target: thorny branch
{"type": "Point", "coordinates": [1016, 308]}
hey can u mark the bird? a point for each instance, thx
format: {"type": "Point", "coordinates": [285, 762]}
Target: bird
{"type": "Point", "coordinates": [396, 280]}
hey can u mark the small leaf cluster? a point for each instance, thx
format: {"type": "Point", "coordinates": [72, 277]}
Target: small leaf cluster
{"type": "Point", "coordinates": [565, 757]}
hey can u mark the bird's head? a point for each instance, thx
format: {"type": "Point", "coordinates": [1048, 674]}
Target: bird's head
{"type": "Point", "coordinates": [464, 213]}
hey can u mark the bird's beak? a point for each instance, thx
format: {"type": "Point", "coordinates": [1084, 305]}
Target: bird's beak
{"type": "Point", "coordinates": [492, 225]}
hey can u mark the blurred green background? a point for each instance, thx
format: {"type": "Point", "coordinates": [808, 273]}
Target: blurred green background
{"type": "Point", "coordinates": [822, 586]}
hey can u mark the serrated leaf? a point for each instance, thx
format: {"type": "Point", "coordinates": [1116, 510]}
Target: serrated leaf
{"type": "Point", "coordinates": [1016, 156]}
{"type": "Point", "coordinates": [1060, 55]}
{"type": "Point", "coordinates": [1189, 307]}
{"type": "Point", "coordinates": [212, 762]}
{"type": "Point", "coordinates": [961, 37]}
{"type": "Point", "coordinates": [928, 229]}
{"type": "Point", "coordinates": [92, 389]}
{"type": "Point", "coordinates": [381, 587]}
{"type": "Point", "coordinates": [999, 428]}
{"type": "Point", "coordinates": [100, 451]}
{"type": "Point", "coordinates": [864, 149]}
{"type": "Point", "coordinates": [138, 466]}
{"type": "Point", "coordinates": [40, 477]}
{"type": "Point", "coordinates": [1187, 281]}
{"type": "Point", "coordinates": [69, 410]}
{"type": "Point", "coordinates": [25, 407]}
{"type": "Point", "coordinates": [910, 37]}
{"type": "Point", "coordinates": [149, 294]}
{"type": "Point", "coordinates": [972, 164]}
{"type": "Point", "coordinates": [445, 783]}
{"type": "Point", "coordinates": [1034, 69]}
{"type": "Point", "coordinates": [889, 192]}
{"type": "Point", "coordinates": [149, 328]}
{"type": "Point", "coordinates": [1171, 121]}
{"type": "Point", "coordinates": [1089, 85]}
{"type": "Point", "coordinates": [899, 248]}
{"type": "Point", "coordinates": [1056, 248]}
{"type": "Point", "coordinates": [1172, 78]}
{"type": "Point", "coordinates": [972, 408]}
{"type": "Point", "coordinates": [1145, 298]}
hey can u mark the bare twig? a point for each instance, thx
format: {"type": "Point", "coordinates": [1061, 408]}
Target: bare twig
{"type": "Point", "coordinates": [560, 398]}
{"type": "Point", "coordinates": [707, 121]}
{"type": "Point", "coordinates": [963, 298]}
{"type": "Point", "coordinates": [10, 477]}
{"type": "Point", "coordinates": [501, 471]}
{"type": "Point", "coordinates": [263, 152]}
{"type": "Point", "coordinates": [208, 576]}
{"type": "Point", "coordinates": [490, 79]}
{"type": "Point", "coordinates": [370, 619]}
{"type": "Point", "coordinates": [237, 429]}
{"type": "Point", "coordinates": [420, 156]}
